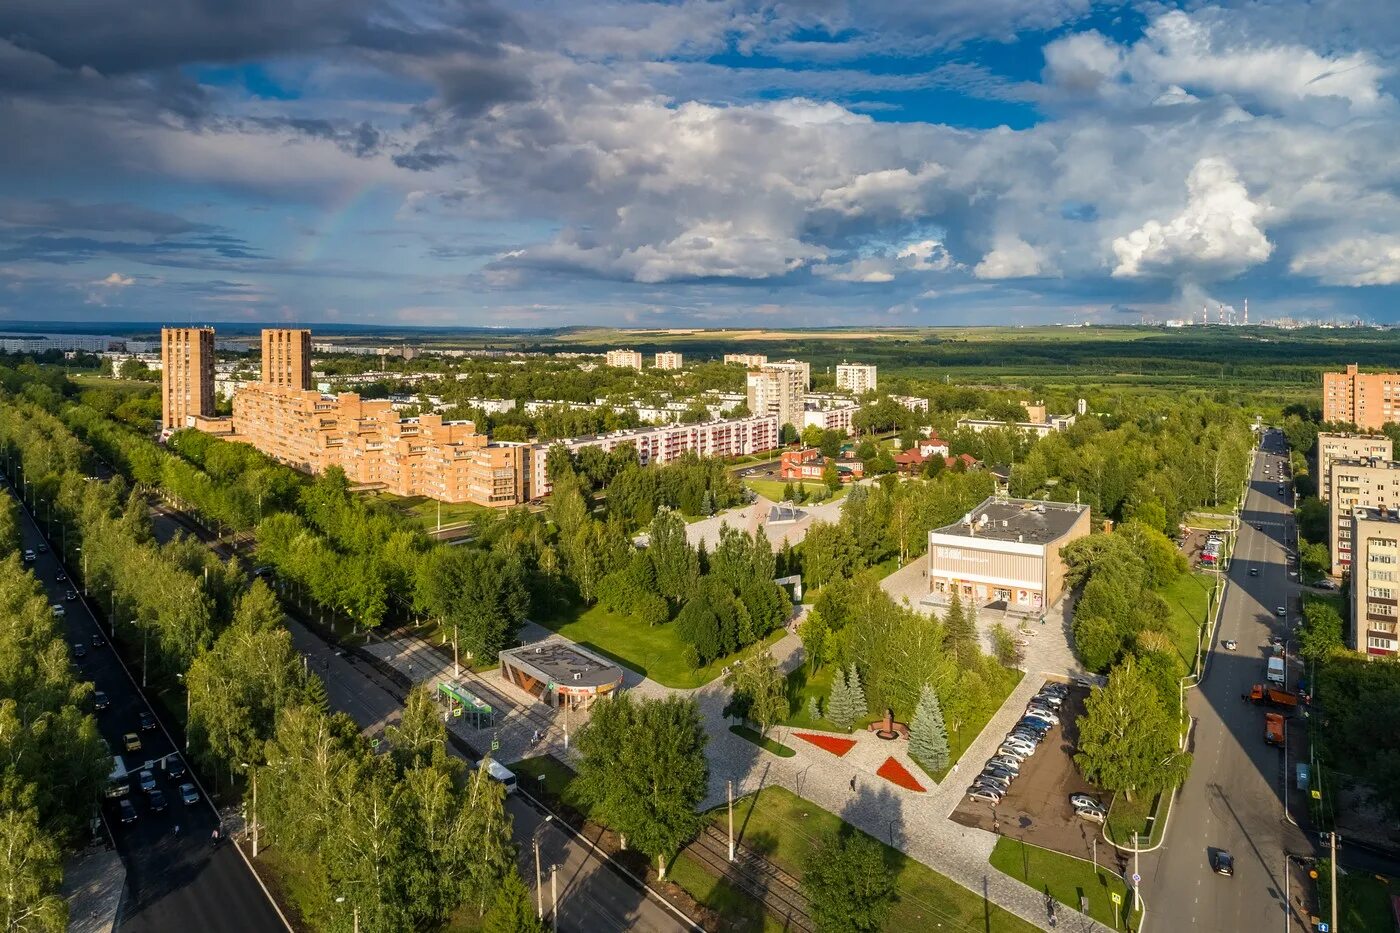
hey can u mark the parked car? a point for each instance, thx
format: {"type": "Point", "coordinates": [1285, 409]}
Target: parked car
{"type": "Point", "coordinates": [148, 722]}
{"type": "Point", "coordinates": [28, 556]}
{"type": "Point", "coordinates": [175, 768]}
{"type": "Point", "coordinates": [128, 812]}
{"type": "Point", "coordinates": [999, 773]}
{"type": "Point", "coordinates": [189, 795]}
{"type": "Point", "coordinates": [147, 780]}
{"type": "Point", "coordinates": [1028, 735]}
{"type": "Point", "coordinates": [1043, 712]}
{"type": "Point", "coordinates": [58, 610]}
{"type": "Point", "coordinates": [132, 742]}
{"type": "Point", "coordinates": [1052, 700]}
{"type": "Point", "coordinates": [975, 792]}
{"type": "Point", "coordinates": [156, 800]}
{"type": "Point", "coordinates": [1085, 800]}
{"type": "Point", "coordinates": [79, 650]}
{"type": "Point", "coordinates": [1009, 762]}
{"type": "Point", "coordinates": [1022, 750]}
{"type": "Point", "coordinates": [1038, 723]}
{"type": "Point", "coordinates": [100, 701]}
{"type": "Point", "coordinates": [1326, 585]}
{"type": "Point", "coordinates": [1092, 814]}
{"type": "Point", "coordinates": [1223, 863]}
{"type": "Point", "coordinates": [1281, 612]}
{"type": "Point", "coordinates": [1055, 687]}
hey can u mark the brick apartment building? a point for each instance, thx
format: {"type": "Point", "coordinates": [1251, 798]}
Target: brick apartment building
{"type": "Point", "coordinates": [623, 359]}
{"type": "Point", "coordinates": [1367, 400]}
{"type": "Point", "coordinates": [779, 392]}
{"type": "Point", "coordinates": [1375, 581]}
{"type": "Point", "coordinates": [187, 376]}
{"type": "Point", "coordinates": [856, 378]}
{"type": "Point", "coordinates": [286, 358]}
{"type": "Point", "coordinates": [669, 359]}
{"type": "Point", "coordinates": [751, 360]}
{"type": "Point", "coordinates": [1333, 447]}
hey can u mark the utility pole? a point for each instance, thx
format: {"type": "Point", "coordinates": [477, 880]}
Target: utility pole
{"type": "Point", "coordinates": [1332, 839]}
{"type": "Point", "coordinates": [539, 886]}
{"type": "Point", "coordinates": [1136, 876]}
{"type": "Point", "coordinates": [255, 823]}
{"type": "Point", "coordinates": [731, 821]}
{"type": "Point", "coordinates": [554, 897]}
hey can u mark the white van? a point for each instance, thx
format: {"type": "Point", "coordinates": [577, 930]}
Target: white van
{"type": "Point", "coordinates": [501, 775]}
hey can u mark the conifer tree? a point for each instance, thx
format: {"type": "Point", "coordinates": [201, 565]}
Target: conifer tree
{"type": "Point", "coordinates": [857, 691]}
{"type": "Point", "coordinates": [928, 736]}
{"type": "Point", "coordinates": [840, 708]}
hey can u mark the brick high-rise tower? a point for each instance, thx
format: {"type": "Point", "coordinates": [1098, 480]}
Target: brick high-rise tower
{"type": "Point", "coordinates": [187, 375]}
{"type": "Point", "coordinates": [286, 358]}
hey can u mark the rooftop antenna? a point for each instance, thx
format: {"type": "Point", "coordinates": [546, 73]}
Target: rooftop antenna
{"type": "Point", "coordinates": [1246, 312]}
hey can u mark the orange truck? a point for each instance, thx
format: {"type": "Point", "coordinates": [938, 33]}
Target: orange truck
{"type": "Point", "coordinates": [1273, 728]}
{"type": "Point", "coordinates": [1268, 696]}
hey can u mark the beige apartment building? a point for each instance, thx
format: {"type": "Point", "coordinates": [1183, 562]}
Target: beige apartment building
{"type": "Point", "coordinates": [623, 359]}
{"type": "Point", "coordinates": [1333, 447]}
{"type": "Point", "coordinates": [795, 366]}
{"type": "Point", "coordinates": [187, 375]}
{"type": "Point", "coordinates": [286, 358]}
{"type": "Point", "coordinates": [1375, 581]}
{"type": "Point", "coordinates": [1367, 400]}
{"type": "Point", "coordinates": [1006, 554]}
{"type": "Point", "coordinates": [856, 378]}
{"type": "Point", "coordinates": [751, 360]}
{"type": "Point", "coordinates": [668, 360]}
{"type": "Point", "coordinates": [1366, 484]}
{"type": "Point", "coordinates": [777, 391]}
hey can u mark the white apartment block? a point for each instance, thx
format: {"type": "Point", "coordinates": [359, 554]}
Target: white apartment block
{"type": "Point", "coordinates": [797, 366]}
{"type": "Point", "coordinates": [836, 418]}
{"type": "Point", "coordinates": [777, 391]}
{"type": "Point", "coordinates": [913, 402]}
{"type": "Point", "coordinates": [1333, 447]}
{"type": "Point", "coordinates": [623, 359]}
{"type": "Point", "coordinates": [668, 360]}
{"type": "Point", "coordinates": [1052, 424]}
{"type": "Point", "coordinates": [1366, 484]}
{"type": "Point", "coordinates": [857, 378]}
{"type": "Point", "coordinates": [751, 360]}
{"type": "Point", "coordinates": [661, 445]}
{"type": "Point", "coordinates": [1375, 581]}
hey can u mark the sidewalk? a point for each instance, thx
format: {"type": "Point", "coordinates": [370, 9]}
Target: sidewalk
{"type": "Point", "coordinates": [94, 884]}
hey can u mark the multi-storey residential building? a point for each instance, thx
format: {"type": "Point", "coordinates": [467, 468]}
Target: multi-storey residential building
{"type": "Point", "coordinates": [1334, 447]}
{"type": "Point", "coordinates": [831, 418]}
{"type": "Point", "coordinates": [1368, 484]}
{"type": "Point", "coordinates": [797, 366]}
{"type": "Point", "coordinates": [1375, 581]}
{"type": "Point", "coordinates": [777, 391]}
{"type": "Point", "coordinates": [735, 438]}
{"type": "Point", "coordinates": [668, 360]}
{"type": "Point", "coordinates": [857, 378]}
{"type": "Point", "coordinates": [1367, 400]}
{"type": "Point", "coordinates": [751, 360]}
{"type": "Point", "coordinates": [187, 375]}
{"type": "Point", "coordinates": [1051, 424]}
{"type": "Point", "coordinates": [1005, 552]}
{"type": "Point", "coordinates": [286, 357]}
{"type": "Point", "coordinates": [623, 359]}
{"type": "Point", "coordinates": [913, 402]}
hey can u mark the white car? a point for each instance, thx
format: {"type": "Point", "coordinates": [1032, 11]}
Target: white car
{"type": "Point", "coordinates": [1006, 761]}
{"type": "Point", "coordinates": [984, 794]}
{"type": "Point", "coordinates": [58, 610]}
{"type": "Point", "coordinates": [1043, 712]}
{"type": "Point", "coordinates": [1229, 644]}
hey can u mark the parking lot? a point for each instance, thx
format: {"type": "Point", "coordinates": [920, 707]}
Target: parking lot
{"type": "Point", "coordinates": [1036, 807]}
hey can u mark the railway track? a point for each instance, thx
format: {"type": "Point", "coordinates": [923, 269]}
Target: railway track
{"type": "Point", "coordinates": [775, 889]}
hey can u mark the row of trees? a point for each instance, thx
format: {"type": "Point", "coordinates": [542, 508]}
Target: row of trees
{"type": "Point", "coordinates": [53, 762]}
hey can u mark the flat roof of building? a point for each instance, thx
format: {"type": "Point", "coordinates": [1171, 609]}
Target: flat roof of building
{"type": "Point", "coordinates": [563, 662]}
{"type": "Point", "coordinates": [1023, 520]}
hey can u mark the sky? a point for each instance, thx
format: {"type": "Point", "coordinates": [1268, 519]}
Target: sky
{"type": "Point", "coordinates": [714, 163]}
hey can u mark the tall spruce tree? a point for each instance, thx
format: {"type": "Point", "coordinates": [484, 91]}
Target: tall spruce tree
{"type": "Point", "coordinates": [928, 736]}
{"type": "Point", "coordinates": [857, 692]}
{"type": "Point", "coordinates": [840, 708]}
{"type": "Point", "coordinates": [960, 632]}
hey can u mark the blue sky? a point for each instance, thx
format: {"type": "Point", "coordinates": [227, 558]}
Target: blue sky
{"type": "Point", "coordinates": [699, 162]}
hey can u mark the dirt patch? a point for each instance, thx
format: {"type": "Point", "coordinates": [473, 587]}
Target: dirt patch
{"type": "Point", "coordinates": [1036, 807]}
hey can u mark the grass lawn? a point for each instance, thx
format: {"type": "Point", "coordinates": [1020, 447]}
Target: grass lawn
{"type": "Point", "coordinates": [1364, 900]}
{"type": "Point", "coordinates": [762, 741]}
{"type": "Point", "coordinates": [774, 488]}
{"type": "Point", "coordinates": [1210, 522]}
{"type": "Point", "coordinates": [1065, 879]}
{"type": "Point", "coordinates": [786, 829]}
{"type": "Point", "coordinates": [656, 651]}
{"type": "Point", "coordinates": [803, 684]}
{"type": "Point", "coordinates": [1188, 596]}
{"type": "Point", "coordinates": [736, 909]}
{"type": "Point", "coordinates": [425, 510]}
{"type": "Point", "coordinates": [1126, 817]}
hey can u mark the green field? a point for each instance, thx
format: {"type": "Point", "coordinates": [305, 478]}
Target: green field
{"type": "Point", "coordinates": [736, 909]}
{"type": "Point", "coordinates": [785, 828]}
{"type": "Point", "coordinates": [803, 684]}
{"type": "Point", "coordinates": [1065, 879]}
{"type": "Point", "coordinates": [1188, 597]}
{"type": "Point", "coordinates": [425, 511]}
{"type": "Point", "coordinates": [774, 489]}
{"type": "Point", "coordinates": [1363, 900]}
{"type": "Point", "coordinates": [655, 651]}
{"type": "Point", "coordinates": [1126, 817]}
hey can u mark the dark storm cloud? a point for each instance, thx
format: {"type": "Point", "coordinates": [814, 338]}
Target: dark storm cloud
{"type": "Point", "coordinates": [65, 250]}
{"type": "Point", "coordinates": [62, 214]}
{"type": "Point", "coordinates": [360, 139]}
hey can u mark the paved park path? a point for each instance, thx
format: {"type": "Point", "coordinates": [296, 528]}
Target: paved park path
{"type": "Point", "coordinates": [915, 823]}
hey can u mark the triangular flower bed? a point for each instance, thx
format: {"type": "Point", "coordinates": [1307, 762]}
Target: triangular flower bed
{"type": "Point", "coordinates": [831, 743]}
{"type": "Point", "coordinates": [895, 773]}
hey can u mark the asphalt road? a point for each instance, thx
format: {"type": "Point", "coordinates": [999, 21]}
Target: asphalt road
{"type": "Point", "coordinates": [592, 896]}
{"type": "Point", "coordinates": [1233, 799]}
{"type": "Point", "coordinates": [174, 883]}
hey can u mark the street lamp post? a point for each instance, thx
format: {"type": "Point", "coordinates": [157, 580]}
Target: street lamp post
{"type": "Point", "coordinates": [539, 879]}
{"type": "Point", "coordinates": [254, 812]}
{"type": "Point", "coordinates": [355, 912]}
{"type": "Point", "coordinates": [181, 679]}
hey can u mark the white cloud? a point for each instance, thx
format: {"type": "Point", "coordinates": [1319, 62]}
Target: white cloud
{"type": "Point", "coordinates": [1354, 261]}
{"type": "Point", "coordinates": [1010, 258]}
{"type": "Point", "coordinates": [117, 280]}
{"type": "Point", "coordinates": [1218, 230]}
{"type": "Point", "coordinates": [926, 256]}
{"type": "Point", "coordinates": [871, 270]}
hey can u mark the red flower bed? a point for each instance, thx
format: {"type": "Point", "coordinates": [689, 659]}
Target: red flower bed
{"type": "Point", "coordinates": [830, 743]}
{"type": "Point", "coordinates": [896, 773]}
